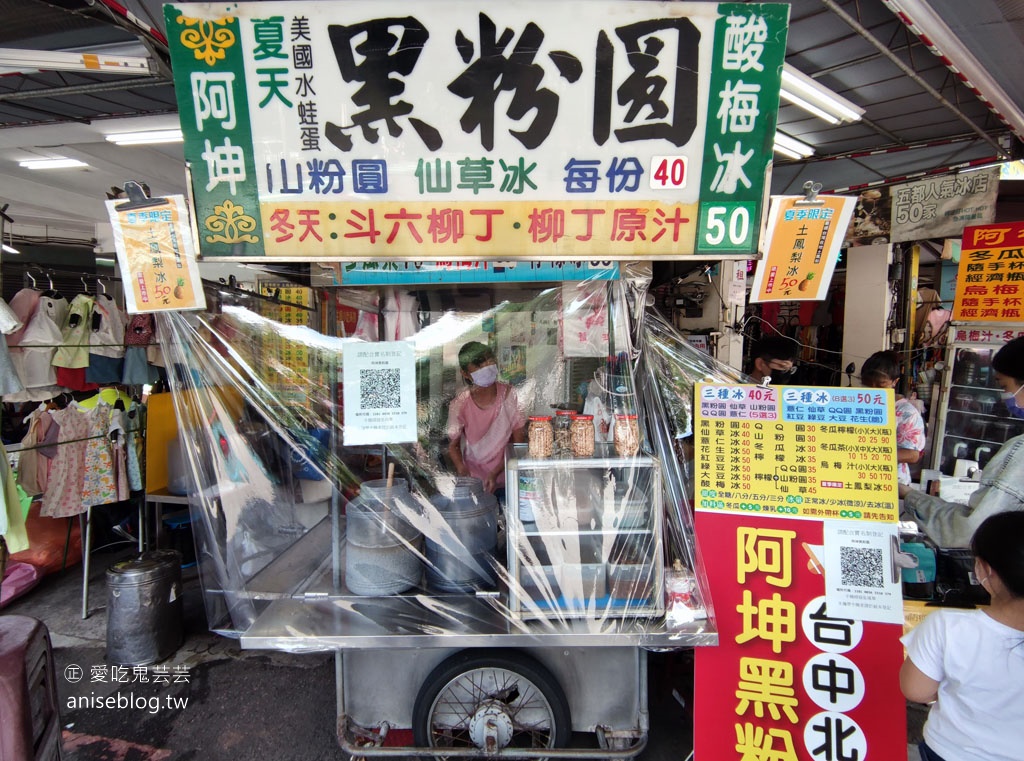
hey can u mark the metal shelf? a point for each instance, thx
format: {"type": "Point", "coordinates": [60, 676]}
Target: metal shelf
{"type": "Point", "coordinates": [556, 504]}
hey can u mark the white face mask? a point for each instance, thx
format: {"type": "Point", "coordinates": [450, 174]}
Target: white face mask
{"type": "Point", "coordinates": [485, 376]}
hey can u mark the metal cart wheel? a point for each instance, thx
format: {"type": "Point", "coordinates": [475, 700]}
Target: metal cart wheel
{"type": "Point", "coordinates": [491, 699]}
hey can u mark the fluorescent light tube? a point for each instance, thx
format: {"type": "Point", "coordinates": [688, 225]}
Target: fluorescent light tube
{"type": "Point", "coordinates": [789, 146]}
{"type": "Point", "coordinates": [808, 107]}
{"type": "Point", "coordinates": [810, 95]}
{"type": "Point", "coordinates": [60, 163]}
{"type": "Point", "coordinates": [786, 152]}
{"type": "Point", "coordinates": [147, 138]}
{"type": "Point", "coordinates": [53, 60]}
{"type": "Point", "coordinates": [9, 249]}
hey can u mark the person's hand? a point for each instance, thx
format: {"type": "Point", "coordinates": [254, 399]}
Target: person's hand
{"type": "Point", "coordinates": [781, 366]}
{"type": "Point", "coordinates": [490, 483]}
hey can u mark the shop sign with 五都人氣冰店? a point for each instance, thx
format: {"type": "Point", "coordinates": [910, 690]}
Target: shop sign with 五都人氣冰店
{"type": "Point", "coordinates": [940, 207]}
{"type": "Point", "coordinates": [440, 131]}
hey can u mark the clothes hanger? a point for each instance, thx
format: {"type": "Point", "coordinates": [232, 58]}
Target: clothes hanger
{"type": "Point", "coordinates": [109, 395]}
{"type": "Point", "coordinates": [51, 293]}
{"type": "Point", "coordinates": [29, 276]}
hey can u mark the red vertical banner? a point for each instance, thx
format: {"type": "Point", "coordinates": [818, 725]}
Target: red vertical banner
{"type": "Point", "coordinates": [988, 288]}
{"type": "Point", "coordinates": [787, 681]}
{"type": "Point", "coordinates": [791, 680]}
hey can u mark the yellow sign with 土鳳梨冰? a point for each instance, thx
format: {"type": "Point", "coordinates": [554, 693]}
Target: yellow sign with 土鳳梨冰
{"type": "Point", "coordinates": [156, 256]}
{"type": "Point", "coordinates": [802, 249]}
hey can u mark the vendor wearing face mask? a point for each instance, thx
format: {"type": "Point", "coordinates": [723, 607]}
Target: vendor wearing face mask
{"type": "Point", "coordinates": [951, 524]}
{"type": "Point", "coordinates": [483, 418]}
{"type": "Point", "coordinates": [775, 357]}
{"type": "Point", "coordinates": [1008, 364]}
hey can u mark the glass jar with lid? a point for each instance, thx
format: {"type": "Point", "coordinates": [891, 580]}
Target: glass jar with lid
{"type": "Point", "coordinates": [563, 421]}
{"type": "Point", "coordinates": [581, 436]}
{"type": "Point", "coordinates": [626, 435]}
{"type": "Point", "coordinates": [540, 437]}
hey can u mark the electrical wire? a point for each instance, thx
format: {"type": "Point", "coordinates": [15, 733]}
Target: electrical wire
{"type": "Point", "coordinates": [49, 240]}
{"type": "Point", "coordinates": [721, 298]}
{"type": "Point", "coordinates": [913, 356]}
{"type": "Point", "coordinates": [809, 363]}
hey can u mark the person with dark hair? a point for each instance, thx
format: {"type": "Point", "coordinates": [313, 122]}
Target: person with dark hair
{"type": "Point", "coordinates": [1008, 364]}
{"type": "Point", "coordinates": [882, 370]}
{"type": "Point", "coordinates": [774, 356]}
{"type": "Point", "coordinates": [483, 418]}
{"type": "Point", "coordinates": [970, 663]}
{"type": "Point", "coordinates": [951, 524]}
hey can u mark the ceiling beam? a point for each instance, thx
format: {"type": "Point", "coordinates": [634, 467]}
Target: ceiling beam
{"type": "Point", "coordinates": [17, 61]}
{"type": "Point", "coordinates": [57, 92]}
{"type": "Point", "coordinates": [52, 114]}
{"type": "Point", "coordinates": [866, 34]}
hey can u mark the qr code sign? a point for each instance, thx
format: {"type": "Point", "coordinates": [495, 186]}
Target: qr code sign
{"type": "Point", "coordinates": [861, 567]}
{"type": "Point", "coordinates": [379, 389]}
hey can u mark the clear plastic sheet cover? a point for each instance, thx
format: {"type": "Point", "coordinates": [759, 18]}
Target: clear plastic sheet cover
{"type": "Point", "coordinates": [306, 543]}
{"type": "Point", "coordinates": [669, 367]}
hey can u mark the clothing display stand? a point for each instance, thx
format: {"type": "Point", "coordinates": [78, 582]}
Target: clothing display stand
{"type": "Point", "coordinates": [131, 427]}
{"type": "Point", "coordinates": [85, 523]}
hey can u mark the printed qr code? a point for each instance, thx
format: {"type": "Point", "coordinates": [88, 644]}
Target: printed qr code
{"type": "Point", "coordinates": [861, 567]}
{"type": "Point", "coordinates": [379, 389]}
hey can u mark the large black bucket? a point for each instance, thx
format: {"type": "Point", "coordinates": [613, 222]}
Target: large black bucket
{"type": "Point", "coordinates": [144, 608]}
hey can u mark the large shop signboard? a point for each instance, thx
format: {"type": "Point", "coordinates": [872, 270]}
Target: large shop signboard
{"type": "Point", "coordinates": [458, 130]}
{"type": "Point", "coordinates": [990, 280]}
{"type": "Point", "coordinates": [796, 509]}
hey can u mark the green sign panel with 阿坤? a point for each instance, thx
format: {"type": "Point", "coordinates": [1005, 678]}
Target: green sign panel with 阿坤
{"type": "Point", "coordinates": [346, 130]}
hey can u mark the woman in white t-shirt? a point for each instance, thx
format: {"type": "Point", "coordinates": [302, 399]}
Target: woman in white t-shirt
{"type": "Point", "coordinates": [970, 663]}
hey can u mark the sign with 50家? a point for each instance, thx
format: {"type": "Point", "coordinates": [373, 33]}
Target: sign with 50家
{"type": "Point", "coordinates": [351, 130]}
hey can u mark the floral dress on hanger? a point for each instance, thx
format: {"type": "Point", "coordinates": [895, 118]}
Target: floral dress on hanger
{"type": "Point", "coordinates": [82, 473]}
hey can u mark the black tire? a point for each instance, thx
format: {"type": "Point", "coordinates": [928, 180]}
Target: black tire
{"type": "Point", "coordinates": [534, 689]}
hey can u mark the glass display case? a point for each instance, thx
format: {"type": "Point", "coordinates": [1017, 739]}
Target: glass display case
{"type": "Point", "coordinates": [973, 422]}
{"type": "Point", "coordinates": [584, 535]}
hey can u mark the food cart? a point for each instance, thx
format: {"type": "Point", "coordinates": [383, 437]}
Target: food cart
{"type": "Point", "coordinates": [456, 174]}
{"type": "Point", "coordinates": [509, 626]}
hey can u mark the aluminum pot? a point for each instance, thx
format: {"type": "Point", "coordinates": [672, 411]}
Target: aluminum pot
{"type": "Point", "coordinates": [461, 560]}
{"type": "Point", "coordinates": [382, 552]}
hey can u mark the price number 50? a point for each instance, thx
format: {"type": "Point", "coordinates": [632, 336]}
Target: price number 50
{"type": "Point", "coordinates": [726, 227]}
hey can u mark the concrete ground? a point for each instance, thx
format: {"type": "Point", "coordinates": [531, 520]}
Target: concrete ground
{"type": "Point", "coordinates": [221, 702]}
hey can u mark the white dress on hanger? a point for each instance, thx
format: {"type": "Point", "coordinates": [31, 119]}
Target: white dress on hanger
{"type": "Point", "coordinates": [33, 356]}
